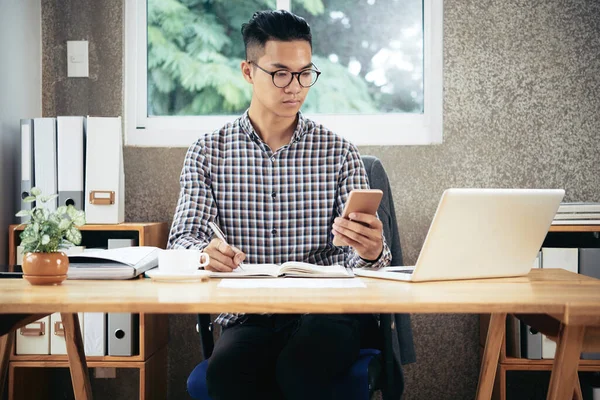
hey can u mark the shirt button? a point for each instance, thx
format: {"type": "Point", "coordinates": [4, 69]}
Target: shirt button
{"type": "Point", "coordinates": [274, 194]}
{"type": "Point", "coordinates": [274, 231]}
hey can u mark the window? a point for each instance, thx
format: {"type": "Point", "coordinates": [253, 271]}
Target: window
{"type": "Point", "coordinates": [381, 63]}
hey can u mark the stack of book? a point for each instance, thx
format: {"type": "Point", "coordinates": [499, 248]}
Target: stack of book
{"type": "Point", "coordinates": [583, 213]}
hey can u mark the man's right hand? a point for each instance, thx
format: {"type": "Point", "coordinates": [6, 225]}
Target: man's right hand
{"type": "Point", "coordinates": [223, 257]}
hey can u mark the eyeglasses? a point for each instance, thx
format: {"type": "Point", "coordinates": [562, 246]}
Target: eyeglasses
{"type": "Point", "coordinates": [282, 77]}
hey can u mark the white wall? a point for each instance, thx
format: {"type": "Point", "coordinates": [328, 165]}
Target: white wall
{"type": "Point", "coordinates": [20, 97]}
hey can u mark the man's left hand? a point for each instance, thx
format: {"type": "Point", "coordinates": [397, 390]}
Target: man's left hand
{"type": "Point", "coordinates": [363, 232]}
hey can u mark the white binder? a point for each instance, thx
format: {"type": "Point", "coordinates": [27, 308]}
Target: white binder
{"type": "Point", "coordinates": [105, 179]}
{"type": "Point", "coordinates": [94, 334]}
{"type": "Point", "coordinates": [27, 181]}
{"type": "Point", "coordinates": [122, 334]}
{"type": "Point", "coordinates": [44, 148]}
{"type": "Point", "coordinates": [58, 344]}
{"type": "Point", "coordinates": [34, 338]}
{"type": "Point", "coordinates": [70, 161]}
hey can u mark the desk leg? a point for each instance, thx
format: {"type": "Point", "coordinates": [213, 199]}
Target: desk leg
{"type": "Point", "coordinates": [566, 360]}
{"type": "Point", "coordinates": [577, 395]}
{"type": "Point", "coordinates": [5, 348]}
{"type": "Point", "coordinates": [491, 353]}
{"type": "Point", "coordinates": [77, 364]}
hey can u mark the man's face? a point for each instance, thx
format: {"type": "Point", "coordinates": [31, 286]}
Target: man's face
{"type": "Point", "coordinates": [293, 56]}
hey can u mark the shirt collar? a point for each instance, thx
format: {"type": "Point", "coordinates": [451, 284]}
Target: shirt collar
{"type": "Point", "coordinates": [302, 127]}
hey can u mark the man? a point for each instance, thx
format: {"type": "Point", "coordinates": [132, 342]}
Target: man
{"type": "Point", "coordinates": [276, 183]}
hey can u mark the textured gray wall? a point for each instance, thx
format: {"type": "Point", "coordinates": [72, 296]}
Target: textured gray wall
{"type": "Point", "coordinates": [521, 109]}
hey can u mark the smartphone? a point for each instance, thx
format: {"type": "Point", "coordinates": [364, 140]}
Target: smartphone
{"type": "Point", "coordinates": [363, 201]}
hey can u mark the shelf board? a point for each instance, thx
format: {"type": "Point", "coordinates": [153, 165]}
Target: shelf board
{"type": "Point", "coordinates": [574, 228]}
{"type": "Point", "coordinates": [125, 226]}
{"type": "Point", "coordinates": [63, 357]}
{"type": "Point", "coordinates": [65, 364]}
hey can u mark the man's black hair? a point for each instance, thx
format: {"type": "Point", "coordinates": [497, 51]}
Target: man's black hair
{"type": "Point", "coordinates": [273, 25]}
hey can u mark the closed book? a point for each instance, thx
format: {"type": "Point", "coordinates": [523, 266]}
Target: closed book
{"type": "Point", "coordinates": [575, 216]}
{"type": "Point", "coordinates": [579, 207]}
{"type": "Point", "coordinates": [576, 222]}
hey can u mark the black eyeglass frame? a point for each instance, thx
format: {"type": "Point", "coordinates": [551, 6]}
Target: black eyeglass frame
{"type": "Point", "coordinates": [297, 74]}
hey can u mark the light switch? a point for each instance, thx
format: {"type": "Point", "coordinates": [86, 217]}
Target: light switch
{"type": "Point", "coordinates": [77, 59]}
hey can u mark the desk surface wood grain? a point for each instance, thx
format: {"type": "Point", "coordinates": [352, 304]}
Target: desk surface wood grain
{"type": "Point", "coordinates": [542, 291]}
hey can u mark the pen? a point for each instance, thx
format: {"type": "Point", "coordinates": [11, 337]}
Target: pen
{"type": "Point", "coordinates": [219, 233]}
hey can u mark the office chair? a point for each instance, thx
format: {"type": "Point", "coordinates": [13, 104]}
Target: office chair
{"type": "Point", "coordinates": [367, 375]}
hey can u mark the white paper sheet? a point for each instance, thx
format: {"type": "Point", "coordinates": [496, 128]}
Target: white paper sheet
{"type": "Point", "coordinates": [336, 283]}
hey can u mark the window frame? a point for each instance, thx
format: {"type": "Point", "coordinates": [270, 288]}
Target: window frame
{"type": "Point", "coordinates": [181, 131]}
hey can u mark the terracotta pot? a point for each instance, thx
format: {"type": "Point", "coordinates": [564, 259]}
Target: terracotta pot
{"type": "Point", "coordinates": [45, 268]}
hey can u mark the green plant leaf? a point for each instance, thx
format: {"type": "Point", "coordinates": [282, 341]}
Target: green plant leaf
{"type": "Point", "coordinates": [45, 199]}
{"type": "Point", "coordinates": [29, 199]}
{"type": "Point", "coordinates": [28, 240]}
{"type": "Point", "coordinates": [61, 210]}
{"type": "Point", "coordinates": [73, 235]}
{"type": "Point", "coordinates": [77, 216]}
{"type": "Point", "coordinates": [71, 211]}
{"type": "Point", "coordinates": [79, 220]}
{"type": "Point", "coordinates": [45, 239]}
{"type": "Point", "coordinates": [23, 213]}
{"type": "Point", "coordinates": [64, 224]}
{"type": "Point", "coordinates": [35, 191]}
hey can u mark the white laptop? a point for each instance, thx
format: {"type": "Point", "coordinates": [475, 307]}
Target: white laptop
{"type": "Point", "coordinates": [481, 233]}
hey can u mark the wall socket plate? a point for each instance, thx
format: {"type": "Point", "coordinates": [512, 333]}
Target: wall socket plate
{"type": "Point", "coordinates": [77, 59]}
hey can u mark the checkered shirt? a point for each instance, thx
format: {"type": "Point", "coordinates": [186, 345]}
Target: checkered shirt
{"type": "Point", "coordinates": [274, 206]}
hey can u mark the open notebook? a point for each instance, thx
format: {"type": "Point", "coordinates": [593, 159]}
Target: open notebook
{"type": "Point", "coordinates": [287, 269]}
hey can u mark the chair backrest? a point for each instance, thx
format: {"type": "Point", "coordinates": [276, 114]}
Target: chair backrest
{"type": "Point", "coordinates": [378, 179]}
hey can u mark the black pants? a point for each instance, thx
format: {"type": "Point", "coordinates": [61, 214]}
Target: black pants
{"type": "Point", "coordinates": [283, 357]}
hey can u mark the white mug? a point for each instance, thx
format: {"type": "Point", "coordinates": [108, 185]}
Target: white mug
{"type": "Point", "coordinates": [182, 260]}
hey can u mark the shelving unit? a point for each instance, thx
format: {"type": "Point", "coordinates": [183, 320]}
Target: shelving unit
{"type": "Point", "coordinates": [153, 328]}
{"type": "Point", "coordinates": [579, 236]}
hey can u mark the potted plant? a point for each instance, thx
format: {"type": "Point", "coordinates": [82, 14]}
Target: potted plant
{"type": "Point", "coordinates": [44, 235]}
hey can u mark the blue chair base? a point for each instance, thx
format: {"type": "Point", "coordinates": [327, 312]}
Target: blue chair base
{"type": "Point", "coordinates": [355, 385]}
{"type": "Point", "coordinates": [196, 383]}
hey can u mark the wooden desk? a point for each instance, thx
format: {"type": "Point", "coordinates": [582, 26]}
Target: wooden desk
{"type": "Point", "coordinates": [573, 299]}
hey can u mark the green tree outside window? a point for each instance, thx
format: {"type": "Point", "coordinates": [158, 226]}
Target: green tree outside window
{"type": "Point", "coordinates": [370, 53]}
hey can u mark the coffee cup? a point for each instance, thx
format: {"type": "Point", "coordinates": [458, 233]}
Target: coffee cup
{"type": "Point", "coordinates": [182, 260]}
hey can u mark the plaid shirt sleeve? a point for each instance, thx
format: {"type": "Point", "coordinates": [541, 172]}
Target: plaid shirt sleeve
{"type": "Point", "coordinates": [354, 176]}
{"type": "Point", "coordinates": [196, 205]}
